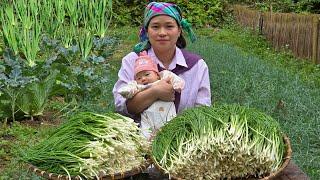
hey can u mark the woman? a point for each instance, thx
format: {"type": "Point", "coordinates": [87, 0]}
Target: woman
{"type": "Point", "coordinates": [161, 36]}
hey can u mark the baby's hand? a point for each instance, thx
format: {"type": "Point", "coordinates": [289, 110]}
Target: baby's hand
{"type": "Point", "coordinates": [178, 86]}
{"type": "Point", "coordinates": [177, 82]}
{"type": "Point", "coordinates": [129, 90]}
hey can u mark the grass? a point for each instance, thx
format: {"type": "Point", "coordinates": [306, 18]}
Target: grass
{"type": "Point", "coordinates": [12, 140]}
{"type": "Point", "coordinates": [243, 69]}
{"type": "Point", "coordinates": [251, 43]}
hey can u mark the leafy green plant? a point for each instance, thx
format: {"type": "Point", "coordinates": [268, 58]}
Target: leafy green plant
{"type": "Point", "coordinates": [96, 16]}
{"type": "Point", "coordinates": [48, 16]}
{"type": "Point", "coordinates": [9, 24]}
{"type": "Point", "coordinates": [83, 79]}
{"type": "Point", "coordinates": [12, 80]}
{"type": "Point", "coordinates": [59, 10]}
{"type": "Point", "coordinates": [22, 23]}
{"type": "Point", "coordinates": [35, 96]}
{"type": "Point", "coordinates": [28, 28]}
{"type": "Point", "coordinates": [312, 6]}
{"type": "Point", "coordinates": [85, 42]}
{"type": "Point", "coordinates": [71, 9]}
{"type": "Point", "coordinates": [203, 13]}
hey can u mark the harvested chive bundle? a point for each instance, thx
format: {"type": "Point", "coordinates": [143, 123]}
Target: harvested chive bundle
{"type": "Point", "coordinates": [218, 142]}
{"type": "Point", "coordinates": [89, 143]}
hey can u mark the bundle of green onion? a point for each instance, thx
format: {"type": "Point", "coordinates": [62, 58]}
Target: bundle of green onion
{"type": "Point", "coordinates": [226, 141]}
{"type": "Point", "coordinates": [90, 143]}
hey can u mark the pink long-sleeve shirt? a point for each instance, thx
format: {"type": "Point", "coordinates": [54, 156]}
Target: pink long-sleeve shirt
{"type": "Point", "coordinates": [197, 84]}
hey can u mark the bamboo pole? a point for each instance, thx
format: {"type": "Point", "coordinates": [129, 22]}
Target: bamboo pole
{"type": "Point", "coordinates": [315, 30]}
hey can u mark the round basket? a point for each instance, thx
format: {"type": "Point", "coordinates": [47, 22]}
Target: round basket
{"type": "Point", "coordinates": [274, 175]}
{"type": "Point", "coordinates": [286, 159]}
{"type": "Point", "coordinates": [101, 174]}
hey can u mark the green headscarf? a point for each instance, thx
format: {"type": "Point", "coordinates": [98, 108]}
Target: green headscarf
{"type": "Point", "coordinates": [161, 8]}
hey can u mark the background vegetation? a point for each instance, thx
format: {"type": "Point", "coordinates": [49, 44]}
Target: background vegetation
{"type": "Point", "coordinates": [285, 6]}
{"type": "Point", "coordinates": [199, 13]}
{"type": "Point", "coordinates": [209, 13]}
{"type": "Point", "coordinates": [243, 69]}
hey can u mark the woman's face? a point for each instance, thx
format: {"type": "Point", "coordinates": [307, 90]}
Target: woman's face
{"type": "Point", "coordinates": [163, 32]}
{"type": "Point", "coordinates": [146, 77]}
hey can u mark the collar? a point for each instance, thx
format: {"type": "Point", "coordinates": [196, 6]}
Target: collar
{"type": "Point", "coordinates": [178, 59]}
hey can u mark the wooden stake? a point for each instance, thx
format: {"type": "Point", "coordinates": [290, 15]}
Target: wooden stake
{"type": "Point", "coordinates": [315, 37]}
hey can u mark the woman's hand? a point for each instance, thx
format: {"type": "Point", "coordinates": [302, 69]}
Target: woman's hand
{"type": "Point", "coordinates": [164, 90]}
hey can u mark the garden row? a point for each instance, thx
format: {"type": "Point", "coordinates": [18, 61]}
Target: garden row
{"type": "Point", "coordinates": [52, 48]}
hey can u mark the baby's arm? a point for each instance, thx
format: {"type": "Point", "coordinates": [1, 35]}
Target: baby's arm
{"type": "Point", "coordinates": [176, 81]}
{"type": "Point", "coordinates": [131, 89]}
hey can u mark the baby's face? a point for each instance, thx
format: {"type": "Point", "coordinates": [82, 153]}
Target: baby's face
{"type": "Point", "coordinates": [146, 77]}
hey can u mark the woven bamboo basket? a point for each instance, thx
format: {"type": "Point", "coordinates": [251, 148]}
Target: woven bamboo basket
{"type": "Point", "coordinates": [101, 174]}
{"type": "Point", "coordinates": [274, 175]}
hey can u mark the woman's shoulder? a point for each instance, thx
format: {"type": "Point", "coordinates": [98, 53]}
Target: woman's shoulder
{"type": "Point", "coordinates": [194, 59]}
{"type": "Point", "coordinates": [129, 58]}
{"type": "Point", "coordinates": [190, 55]}
{"type": "Point", "coordinates": [131, 55]}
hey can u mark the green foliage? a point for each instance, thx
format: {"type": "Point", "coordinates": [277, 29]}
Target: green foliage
{"type": "Point", "coordinates": [312, 6]}
{"type": "Point", "coordinates": [285, 6]}
{"type": "Point", "coordinates": [128, 13]}
{"type": "Point", "coordinates": [12, 81]}
{"type": "Point", "coordinates": [34, 98]}
{"type": "Point", "coordinates": [199, 13]}
{"type": "Point", "coordinates": [83, 79]}
{"type": "Point", "coordinates": [75, 78]}
{"type": "Point", "coordinates": [11, 141]}
{"type": "Point", "coordinates": [23, 22]}
{"type": "Point", "coordinates": [4, 106]}
{"type": "Point", "coordinates": [203, 13]}
{"type": "Point", "coordinates": [251, 43]}
{"type": "Point", "coordinates": [258, 80]}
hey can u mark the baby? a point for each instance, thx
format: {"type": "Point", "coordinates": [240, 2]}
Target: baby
{"type": "Point", "coordinates": [145, 75]}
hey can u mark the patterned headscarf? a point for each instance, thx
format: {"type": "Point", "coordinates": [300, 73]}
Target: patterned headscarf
{"type": "Point", "coordinates": [161, 8]}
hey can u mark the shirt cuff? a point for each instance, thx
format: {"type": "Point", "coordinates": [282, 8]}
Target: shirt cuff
{"type": "Point", "coordinates": [203, 102]}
